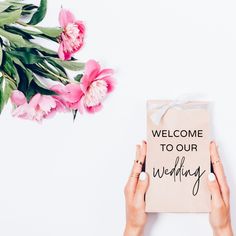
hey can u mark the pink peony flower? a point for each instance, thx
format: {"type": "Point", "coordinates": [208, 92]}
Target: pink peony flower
{"type": "Point", "coordinates": [72, 37]}
{"type": "Point", "coordinates": [39, 107]}
{"type": "Point", "coordinates": [69, 94]}
{"type": "Point", "coordinates": [96, 84]}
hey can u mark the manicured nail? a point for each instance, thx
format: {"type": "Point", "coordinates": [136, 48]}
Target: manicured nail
{"type": "Point", "coordinates": [142, 176]}
{"type": "Point", "coordinates": [211, 177]}
{"type": "Point", "coordinates": [214, 142]}
{"type": "Point", "coordinates": [144, 141]}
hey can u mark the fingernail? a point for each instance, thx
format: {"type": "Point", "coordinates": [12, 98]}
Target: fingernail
{"type": "Point", "coordinates": [214, 143]}
{"type": "Point", "coordinates": [142, 176]}
{"type": "Point", "coordinates": [144, 141]}
{"type": "Point", "coordinates": [211, 177]}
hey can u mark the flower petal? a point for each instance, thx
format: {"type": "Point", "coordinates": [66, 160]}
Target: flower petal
{"type": "Point", "coordinates": [66, 17]}
{"type": "Point", "coordinates": [110, 83]}
{"type": "Point", "coordinates": [85, 83]}
{"type": "Point", "coordinates": [67, 56]}
{"type": "Point", "coordinates": [18, 98]}
{"type": "Point", "coordinates": [92, 68]}
{"type": "Point", "coordinates": [58, 88]}
{"type": "Point", "coordinates": [24, 111]}
{"type": "Point", "coordinates": [61, 52]}
{"type": "Point", "coordinates": [81, 26]}
{"type": "Point", "coordinates": [74, 93]}
{"type": "Point", "coordinates": [46, 103]}
{"type": "Point", "coordinates": [105, 72]}
{"type": "Point", "coordinates": [60, 105]}
{"type": "Point", "coordinates": [34, 101]}
{"type": "Point", "coordinates": [93, 109]}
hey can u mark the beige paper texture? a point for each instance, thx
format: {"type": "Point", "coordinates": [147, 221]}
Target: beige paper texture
{"type": "Point", "coordinates": [166, 194]}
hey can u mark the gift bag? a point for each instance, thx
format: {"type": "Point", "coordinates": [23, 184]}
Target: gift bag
{"type": "Point", "coordinates": [178, 157]}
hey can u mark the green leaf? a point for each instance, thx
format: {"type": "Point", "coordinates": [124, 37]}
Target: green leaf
{"type": "Point", "coordinates": [9, 17]}
{"type": "Point", "coordinates": [2, 102]}
{"type": "Point", "coordinates": [13, 38]}
{"type": "Point", "coordinates": [53, 32]}
{"type": "Point", "coordinates": [32, 32]}
{"type": "Point", "coordinates": [47, 35]}
{"type": "Point", "coordinates": [43, 50]}
{"type": "Point", "coordinates": [1, 55]}
{"type": "Point", "coordinates": [60, 69]}
{"type": "Point", "coordinates": [39, 83]}
{"type": "Point", "coordinates": [29, 75]}
{"type": "Point", "coordinates": [78, 77]}
{"type": "Point", "coordinates": [41, 72]}
{"type": "Point", "coordinates": [18, 62]}
{"type": "Point", "coordinates": [4, 6]}
{"type": "Point", "coordinates": [49, 67]}
{"type": "Point", "coordinates": [74, 112]}
{"type": "Point", "coordinates": [40, 13]}
{"type": "Point", "coordinates": [30, 93]}
{"type": "Point", "coordinates": [27, 72]}
{"type": "Point", "coordinates": [16, 2]}
{"type": "Point", "coordinates": [70, 65]}
{"type": "Point", "coordinates": [24, 81]}
{"type": "Point", "coordinates": [9, 67]}
{"type": "Point", "coordinates": [12, 8]}
{"type": "Point", "coordinates": [6, 87]}
{"type": "Point", "coordinates": [18, 31]}
{"type": "Point", "coordinates": [35, 86]}
{"type": "Point", "coordinates": [27, 55]}
{"type": "Point", "coordinates": [29, 7]}
{"type": "Point", "coordinates": [39, 88]}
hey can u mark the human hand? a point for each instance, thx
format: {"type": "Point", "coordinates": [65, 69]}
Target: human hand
{"type": "Point", "coordinates": [220, 203]}
{"type": "Point", "coordinates": [135, 190]}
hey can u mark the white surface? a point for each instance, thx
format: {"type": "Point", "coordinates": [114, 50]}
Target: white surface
{"type": "Point", "coordinates": [61, 178]}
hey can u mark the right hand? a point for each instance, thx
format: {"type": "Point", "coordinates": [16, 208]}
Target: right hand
{"type": "Point", "coordinates": [220, 203]}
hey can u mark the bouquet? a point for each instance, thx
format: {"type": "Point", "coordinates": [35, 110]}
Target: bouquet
{"type": "Point", "coordinates": [34, 77]}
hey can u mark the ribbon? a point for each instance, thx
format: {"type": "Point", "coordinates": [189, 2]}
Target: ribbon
{"type": "Point", "coordinates": [160, 111]}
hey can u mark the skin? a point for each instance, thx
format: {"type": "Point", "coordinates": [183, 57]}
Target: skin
{"type": "Point", "coordinates": [220, 214]}
{"type": "Point", "coordinates": [136, 188]}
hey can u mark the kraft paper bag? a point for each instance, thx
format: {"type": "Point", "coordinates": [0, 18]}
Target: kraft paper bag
{"type": "Point", "coordinates": [178, 158]}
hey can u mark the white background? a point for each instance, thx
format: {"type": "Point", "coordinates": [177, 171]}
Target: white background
{"type": "Point", "coordinates": [61, 178]}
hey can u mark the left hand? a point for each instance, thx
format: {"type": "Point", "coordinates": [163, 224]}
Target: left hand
{"type": "Point", "coordinates": [135, 190]}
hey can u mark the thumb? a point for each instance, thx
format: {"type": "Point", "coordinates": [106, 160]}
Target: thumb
{"type": "Point", "coordinates": [142, 187]}
{"type": "Point", "coordinates": [214, 188]}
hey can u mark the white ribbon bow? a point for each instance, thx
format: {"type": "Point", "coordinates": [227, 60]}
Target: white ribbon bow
{"type": "Point", "coordinates": [160, 111]}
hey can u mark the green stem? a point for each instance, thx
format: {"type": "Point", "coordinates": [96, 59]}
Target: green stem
{"type": "Point", "coordinates": [53, 74]}
{"type": "Point", "coordinates": [5, 75]}
{"type": "Point", "coordinates": [21, 23]}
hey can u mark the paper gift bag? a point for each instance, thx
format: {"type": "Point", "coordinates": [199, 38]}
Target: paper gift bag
{"type": "Point", "coordinates": [178, 158]}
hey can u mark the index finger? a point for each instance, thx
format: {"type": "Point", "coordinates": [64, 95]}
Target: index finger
{"type": "Point", "coordinates": [219, 172]}
{"type": "Point", "coordinates": [136, 169]}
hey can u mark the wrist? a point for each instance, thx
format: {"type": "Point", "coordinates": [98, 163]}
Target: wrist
{"type": "Point", "coordinates": [226, 231]}
{"type": "Point", "coordinates": [133, 231]}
